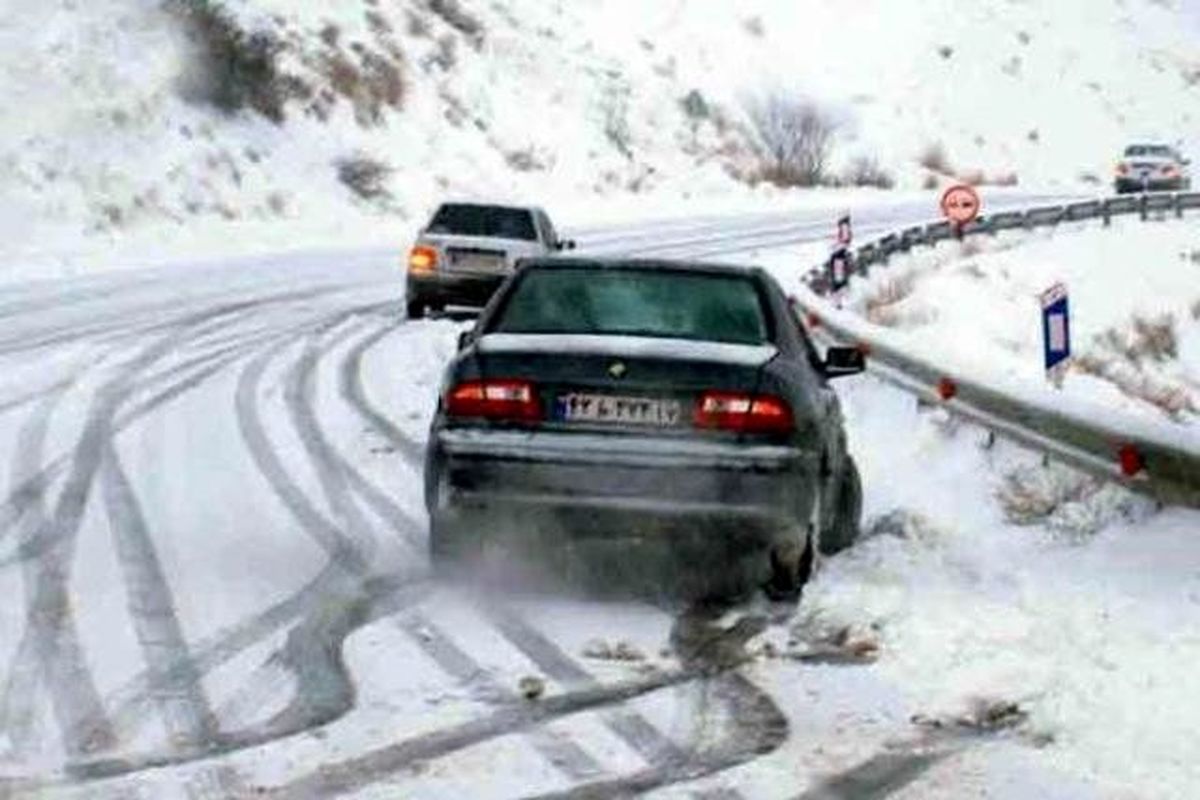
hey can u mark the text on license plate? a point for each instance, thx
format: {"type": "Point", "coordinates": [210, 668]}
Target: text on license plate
{"type": "Point", "coordinates": [582, 407]}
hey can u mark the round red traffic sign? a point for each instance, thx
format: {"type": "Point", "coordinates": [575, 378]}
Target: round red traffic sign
{"type": "Point", "coordinates": [960, 204]}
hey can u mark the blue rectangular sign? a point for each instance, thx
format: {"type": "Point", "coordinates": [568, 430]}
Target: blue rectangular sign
{"type": "Point", "coordinates": [1056, 326]}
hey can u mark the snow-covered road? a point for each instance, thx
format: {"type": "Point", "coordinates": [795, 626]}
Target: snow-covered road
{"type": "Point", "coordinates": [212, 545]}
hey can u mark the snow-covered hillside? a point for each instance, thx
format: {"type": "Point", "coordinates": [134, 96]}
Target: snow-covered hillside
{"type": "Point", "coordinates": [111, 136]}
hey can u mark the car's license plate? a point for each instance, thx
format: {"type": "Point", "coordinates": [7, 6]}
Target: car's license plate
{"type": "Point", "coordinates": [477, 261]}
{"type": "Point", "coordinates": [616, 409]}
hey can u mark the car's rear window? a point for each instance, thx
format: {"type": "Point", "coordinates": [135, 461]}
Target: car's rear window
{"type": "Point", "coordinates": [1156, 151]}
{"type": "Point", "coordinates": [636, 302]}
{"type": "Point", "coordinates": [476, 220]}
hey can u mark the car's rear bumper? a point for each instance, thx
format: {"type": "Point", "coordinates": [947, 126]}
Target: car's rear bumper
{"type": "Point", "coordinates": [1157, 185]}
{"type": "Point", "coordinates": [450, 288]}
{"type": "Point", "coordinates": [615, 486]}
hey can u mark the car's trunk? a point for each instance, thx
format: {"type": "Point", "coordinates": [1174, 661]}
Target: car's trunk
{"type": "Point", "coordinates": [618, 382]}
{"type": "Point", "coordinates": [481, 253]}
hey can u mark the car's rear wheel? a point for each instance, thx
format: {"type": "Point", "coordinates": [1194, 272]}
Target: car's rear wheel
{"type": "Point", "coordinates": [791, 567]}
{"type": "Point", "coordinates": [414, 309]}
{"type": "Point", "coordinates": [844, 526]}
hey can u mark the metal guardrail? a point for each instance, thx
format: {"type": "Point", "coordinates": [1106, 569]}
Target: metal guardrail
{"type": "Point", "coordinates": [1146, 457]}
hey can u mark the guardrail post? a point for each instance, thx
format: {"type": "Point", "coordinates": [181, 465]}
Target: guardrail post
{"type": "Point", "coordinates": [1106, 212]}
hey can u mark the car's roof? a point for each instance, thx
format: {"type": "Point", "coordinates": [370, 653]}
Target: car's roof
{"type": "Point", "coordinates": [654, 264]}
{"type": "Point", "coordinates": [488, 204]}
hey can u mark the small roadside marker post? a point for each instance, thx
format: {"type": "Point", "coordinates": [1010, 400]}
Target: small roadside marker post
{"type": "Point", "coordinates": [844, 232]}
{"type": "Point", "coordinates": [1056, 333]}
{"type": "Point", "coordinates": [840, 262]}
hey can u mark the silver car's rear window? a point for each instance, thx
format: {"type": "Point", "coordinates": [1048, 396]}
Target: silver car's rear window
{"type": "Point", "coordinates": [634, 302]}
{"type": "Point", "coordinates": [464, 219]}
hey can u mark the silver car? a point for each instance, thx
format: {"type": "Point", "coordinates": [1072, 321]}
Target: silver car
{"type": "Point", "coordinates": [467, 250]}
{"type": "Point", "coordinates": [1152, 168]}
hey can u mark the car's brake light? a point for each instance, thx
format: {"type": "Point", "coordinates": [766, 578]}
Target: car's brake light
{"type": "Point", "coordinates": [422, 259]}
{"type": "Point", "coordinates": [734, 411]}
{"type": "Point", "coordinates": [495, 399]}
{"type": "Point", "coordinates": [1122, 169]}
{"type": "Point", "coordinates": [1168, 169]}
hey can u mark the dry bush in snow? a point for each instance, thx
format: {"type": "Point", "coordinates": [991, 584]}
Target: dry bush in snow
{"type": "Point", "coordinates": [934, 159]}
{"type": "Point", "coordinates": [1152, 338]}
{"type": "Point", "coordinates": [1127, 358]}
{"type": "Point", "coordinates": [370, 81]}
{"type": "Point", "coordinates": [865, 171]}
{"type": "Point", "coordinates": [797, 137]}
{"type": "Point", "coordinates": [230, 68]}
{"type": "Point", "coordinates": [1066, 501]}
{"type": "Point", "coordinates": [233, 69]}
{"type": "Point", "coordinates": [453, 14]}
{"type": "Point", "coordinates": [365, 176]}
{"type": "Point", "coordinates": [880, 304]}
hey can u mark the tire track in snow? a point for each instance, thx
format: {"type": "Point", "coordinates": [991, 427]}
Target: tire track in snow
{"type": "Point", "coordinates": [324, 532]}
{"type": "Point", "coordinates": [12, 508]}
{"type": "Point", "coordinates": [17, 704]}
{"type": "Point", "coordinates": [759, 728]}
{"type": "Point", "coordinates": [49, 648]}
{"type": "Point", "coordinates": [174, 680]}
{"type": "Point", "coordinates": [333, 473]}
{"type": "Point", "coordinates": [354, 391]}
{"type": "Point", "coordinates": [558, 749]}
{"type": "Point", "coordinates": [320, 636]}
{"type": "Point", "coordinates": [50, 644]}
{"type": "Point", "coordinates": [632, 728]}
{"type": "Point", "coordinates": [80, 708]}
{"type": "Point", "coordinates": [342, 478]}
{"type": "Point", "coordinates": [360, 771]}
{"type": "Point", "coordinates": [334, 605]}
{"type": "Point", "coordinates": [878, 777]}
{"type": "Point", "coordinates": [221, 647]}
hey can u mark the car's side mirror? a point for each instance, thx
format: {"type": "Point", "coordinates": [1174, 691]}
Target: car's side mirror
{"type": "Point", "coordinates": [565, 244]}
{"type": "Point", "coordinates": [842, 361]}
{"type": "Point", "coordinates": [464, 340]}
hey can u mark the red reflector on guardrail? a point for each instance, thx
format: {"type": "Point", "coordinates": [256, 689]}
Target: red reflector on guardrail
{"type": "Point", "coordinates": [947, 389]}
{"type": "Point", "coordinates": [1130, 460]}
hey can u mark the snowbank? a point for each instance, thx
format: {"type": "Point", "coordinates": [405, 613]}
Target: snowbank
{"type": "Point", "coordinates": [1135, 311]}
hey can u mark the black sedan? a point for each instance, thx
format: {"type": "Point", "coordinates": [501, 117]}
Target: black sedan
{"type": "Point", "coordinates": [631, 413]}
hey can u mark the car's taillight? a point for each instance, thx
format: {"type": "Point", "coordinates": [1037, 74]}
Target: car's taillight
{"type": "Point", "coordinates": [735, 411]}
{"type": "Point", "coordinates": [495, 399]}
{"type": "Point", "coordinates": [1168, 169]}
{"type": "Point", "coordinates": [422, 259]}
{"type": "Point", "coordinates": [1122, 169]}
